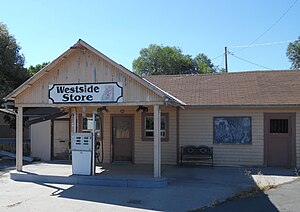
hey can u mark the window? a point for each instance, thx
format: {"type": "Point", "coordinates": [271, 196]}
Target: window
{"type": "Point", "coordinates": [232, 130]}
{"type": "Point", "coordinates": [279, 126]}
{"type": "Point", "coordinates": [87, 123]}
{"type": "Point", "coordinates": [148, 126]}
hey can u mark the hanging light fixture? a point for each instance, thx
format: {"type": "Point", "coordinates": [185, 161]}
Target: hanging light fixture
{"type": "Point", "coordinates": [142, 108]}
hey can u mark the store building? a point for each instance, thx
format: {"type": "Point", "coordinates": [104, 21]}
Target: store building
{"type": "Point", "coordinates": [250, 118]}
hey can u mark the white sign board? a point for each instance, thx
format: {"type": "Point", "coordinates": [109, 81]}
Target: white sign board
{"type": "Point", "coordinates": [86, 93]}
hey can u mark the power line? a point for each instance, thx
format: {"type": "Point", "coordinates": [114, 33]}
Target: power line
{"type": "Point", "coordinates": [249, 61]}
{"type": "Point", "coordinates": [276, 22]}
{"type": "Point", "coordinates": [263, 44]}
{"type": "Point", "coordinates": [217, 57]}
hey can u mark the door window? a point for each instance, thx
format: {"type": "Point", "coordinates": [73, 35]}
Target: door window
{"type": "Point", "coordinates": [279, 125]}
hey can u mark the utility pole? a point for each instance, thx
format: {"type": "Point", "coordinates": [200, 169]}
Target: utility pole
{"type": "Point", "coordinates": [226, 65]}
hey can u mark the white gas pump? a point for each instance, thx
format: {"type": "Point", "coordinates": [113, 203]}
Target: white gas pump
{"type": "Point", "coordinates": [82, 147]}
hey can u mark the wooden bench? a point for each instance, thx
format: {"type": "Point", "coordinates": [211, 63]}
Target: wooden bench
{"type": "Point", "coordinates": [196, 154]}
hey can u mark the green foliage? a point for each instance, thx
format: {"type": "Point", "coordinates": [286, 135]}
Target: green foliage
{"type": "Point", "coordinates": [12, 71]}
{"type": "Point", "coordinates": [293, 53]}
{"type": "Point", "coordinates": [34, 69]}
{"type": "Point", "coordinates": [204, 64]}
{"type": "Point", "coordinates": [156, 60]}
{"type": "Point", "coordinates": [165, 60]}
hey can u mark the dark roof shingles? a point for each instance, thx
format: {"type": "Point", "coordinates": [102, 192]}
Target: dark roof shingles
{"type": "Point", "coordinates": [240, 88]}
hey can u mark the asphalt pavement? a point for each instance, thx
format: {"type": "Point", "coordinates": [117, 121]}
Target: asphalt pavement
{"type": "Point", "coordinates": [190, 189]}
{"type": "Point", "coordinates": [285, 197]}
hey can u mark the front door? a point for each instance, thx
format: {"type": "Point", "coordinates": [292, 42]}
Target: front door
{"type": "Point", "coordinates": [122, 138]}
{"type": "Point", "coordinates": [279, 131]}
{"type": "Point", "coordinates": [60, 146]}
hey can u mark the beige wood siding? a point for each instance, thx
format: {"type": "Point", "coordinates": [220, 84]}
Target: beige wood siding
{"type": "Point", "coordinates": [41, 140]}
{"type": "Point", "coordinates": [196, 127]}
{"type": "Point", "coordinates": [298, 140]}
{"type": "Point", "coordinates": [143, 150]}
{"type": "Point", "coordinates": [83, 67]}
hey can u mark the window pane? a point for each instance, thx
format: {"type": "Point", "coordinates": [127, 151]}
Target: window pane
{"type": "Point", "coordinates": [84, 123]}
{"type": "Point", "coordinates": [149, 133]}
{"type": "Point", "coordinates": [149, 126]}
{"type": "Point", "coordinates": [163, 123]}
{"type": "Point", "coordinates": [87, 123]}
{"type": "Point", "coordinates": [90, 124]}
{"type": "Point", "coordinates": [122, 132]}
{"type": "Point", "coordinates": [149, 123]}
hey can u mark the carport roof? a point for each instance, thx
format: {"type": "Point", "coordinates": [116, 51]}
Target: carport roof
{"type": "Point", "coordinates": [239, 89]}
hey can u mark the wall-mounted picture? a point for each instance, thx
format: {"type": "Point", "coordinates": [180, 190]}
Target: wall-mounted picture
{"type": "Point", "coordinates": [232, 130]}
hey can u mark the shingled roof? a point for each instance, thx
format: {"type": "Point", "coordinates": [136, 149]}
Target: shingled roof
{"type": "Point", "coordinates": [246, 89]}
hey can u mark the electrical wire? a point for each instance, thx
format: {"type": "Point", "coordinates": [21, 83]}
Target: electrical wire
{"type": "Point", "coordinates": [268, 29]}
{"type": "Point", "coordinates": [217, 57]}
{"type": "Point", "coordinates": [249, 61]}
{"type": "Point", "coordinates": [263, 44]}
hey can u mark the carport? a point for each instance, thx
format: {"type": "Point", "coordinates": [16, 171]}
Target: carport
{"type": "Point", "coordinates": [84, 81]}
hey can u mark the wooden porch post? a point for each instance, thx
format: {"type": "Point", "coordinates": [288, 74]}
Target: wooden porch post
{"type": "Point", "coordinates": [19, 139]}
{"type": "Point", "coordinates": [157, 142]}
{"type": "Point", "coordinates": [74, 121]}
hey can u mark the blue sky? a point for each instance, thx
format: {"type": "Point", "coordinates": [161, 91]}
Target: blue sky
{"type": "Point", "coordinates": [120, 28]}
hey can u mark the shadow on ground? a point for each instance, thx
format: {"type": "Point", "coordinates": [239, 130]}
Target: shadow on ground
{"type": "Point", "coordinates": [6, 165]}
{"type": "Point", "coordinates": [190, 188]}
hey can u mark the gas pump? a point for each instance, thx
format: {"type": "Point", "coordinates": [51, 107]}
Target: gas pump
{"type": "Point", "coordinates": [81, 153]}
{"type": "Point", "coordinates": [92, 128]}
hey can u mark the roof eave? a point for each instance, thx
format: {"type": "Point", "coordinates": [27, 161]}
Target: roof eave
{"type": "Point", "coordinates": [166, 94]}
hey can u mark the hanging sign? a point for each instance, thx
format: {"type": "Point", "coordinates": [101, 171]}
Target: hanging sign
{"type": "Point", "coordinates": [86, 93]}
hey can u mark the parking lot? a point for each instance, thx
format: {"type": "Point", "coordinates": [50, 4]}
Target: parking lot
{"type": "Point", "coordinates": [190, 188]}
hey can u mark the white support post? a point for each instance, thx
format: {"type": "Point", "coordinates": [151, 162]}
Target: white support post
{"type": "Point", "coordinates": [19, 139]}
{"type": "Point", "coordinates": [157, 142]}
{"type": "Point", "coordinates": [74, 121]}
{"type": "Point", "coordinates": [93, 142]}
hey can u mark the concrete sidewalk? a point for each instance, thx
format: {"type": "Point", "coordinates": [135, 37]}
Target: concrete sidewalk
{"type": "Point", "coordinates": [189, 188]}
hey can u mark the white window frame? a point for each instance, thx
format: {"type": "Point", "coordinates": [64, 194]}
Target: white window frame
{"type": "Point", "coordinates": [164, 131]}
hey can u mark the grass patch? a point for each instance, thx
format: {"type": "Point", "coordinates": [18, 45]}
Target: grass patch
{"type": "Point", "coordinates": [250, 193]}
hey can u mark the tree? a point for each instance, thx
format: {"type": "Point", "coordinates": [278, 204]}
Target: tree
{"type": "Point", "coordinates": [157, 60]}
{"type": "Point", "coordinates": [204, 64]}
{"type": "Point", "coordinates": [293, 53]}
{"type": "Point", "coordinates": [34, 69]}
{"type": "Point", "coordinates": [12, 71]}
